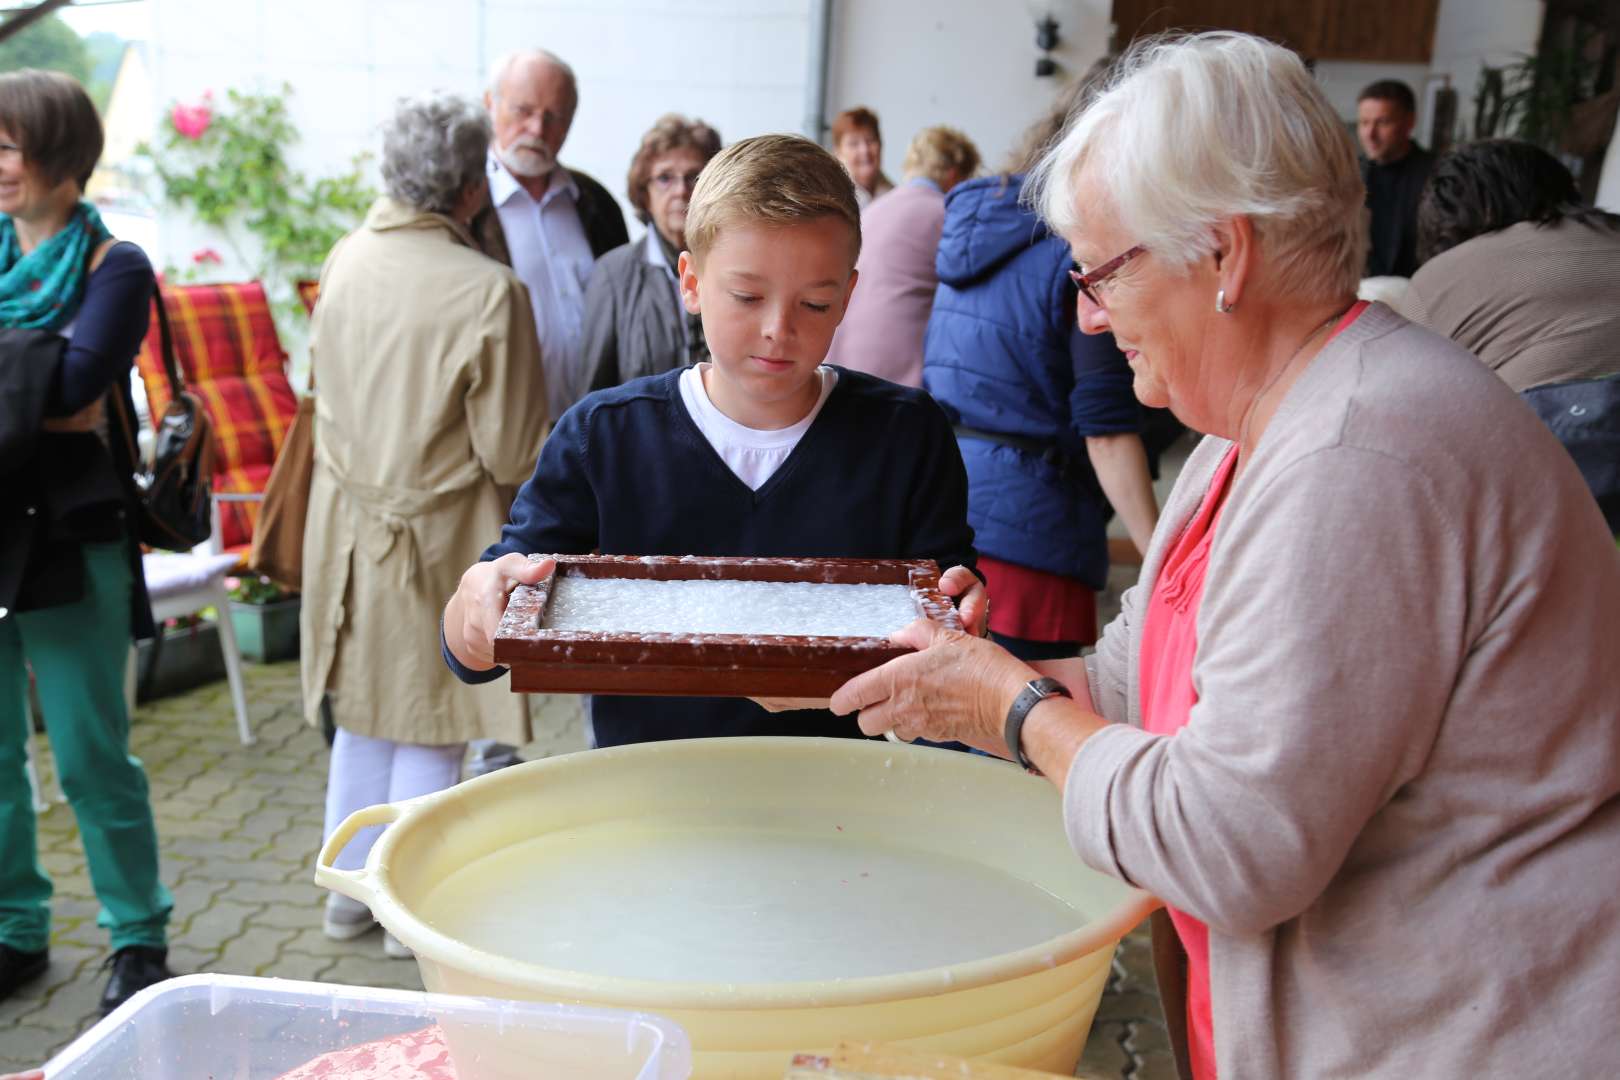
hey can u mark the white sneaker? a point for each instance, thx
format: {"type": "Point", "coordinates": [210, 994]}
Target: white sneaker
{"type": "Point", "coordinates": [395, 948]}
{"type": "Point", "coordinates": [346, 919]}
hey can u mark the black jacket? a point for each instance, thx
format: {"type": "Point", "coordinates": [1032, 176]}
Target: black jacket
{"type": "Point", "coordinates": [1393, 192]}
{"type": "Point", "coordinates": [58, 490]}
{"type": "Point", "coordinates": [599, 215]}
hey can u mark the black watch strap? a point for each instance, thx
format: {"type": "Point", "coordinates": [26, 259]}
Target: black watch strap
{"type": "Point", "coordinates": [1035, 691]}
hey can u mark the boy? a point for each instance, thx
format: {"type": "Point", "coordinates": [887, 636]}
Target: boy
{"type": "Point", "coordinates": [763, 451]}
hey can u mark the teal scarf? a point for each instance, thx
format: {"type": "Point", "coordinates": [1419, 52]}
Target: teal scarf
{"type": "Point", "coordinates": [43, 289]}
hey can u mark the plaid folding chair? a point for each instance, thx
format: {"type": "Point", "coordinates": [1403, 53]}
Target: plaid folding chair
{"type": "Point", "coordinates": [230, 356]}
{"type": "Point", "coordinates": [308, 292]}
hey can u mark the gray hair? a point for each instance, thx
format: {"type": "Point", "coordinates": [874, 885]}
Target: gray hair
{"type": "Point", "coordinates": [503, 67]}
{"type": "Point", "coordinates": [1192, 130]}
{"type": "Point", "coordinates": [433, 149]}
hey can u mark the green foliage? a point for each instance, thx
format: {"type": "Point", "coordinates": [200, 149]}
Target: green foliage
{"type": "Point", "coordinates": [255, 590]}
{"type": "Point", "coordinates": [105, 52]}
{"type": "Point", "coordinates": [1531, 98]}
{"type": "Point", "coordinates": [228, 165]}
{"type": "Point", "coordinates": [50, 44]}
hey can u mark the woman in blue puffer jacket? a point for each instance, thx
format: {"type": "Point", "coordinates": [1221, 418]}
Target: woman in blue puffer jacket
{"type": "Point", "coordinates": [1045, 416]}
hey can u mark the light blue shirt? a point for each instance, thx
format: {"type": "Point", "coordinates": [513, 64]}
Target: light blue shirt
{"type": "Point", "coordinates": [553, 258]}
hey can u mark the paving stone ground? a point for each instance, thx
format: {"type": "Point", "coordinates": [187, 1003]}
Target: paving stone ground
{"type": "Point", "coordinates": [240, 827]}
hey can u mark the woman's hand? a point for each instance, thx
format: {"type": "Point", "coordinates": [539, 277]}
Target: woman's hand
{"type": "Point", "coordinates": [474, 612]}
{"type": "Point", "coordinates": [974, 605]}
{"type": "Point", "coordinates": [974, 608]}
{"type": "Point", "coordinates": [956, 687]}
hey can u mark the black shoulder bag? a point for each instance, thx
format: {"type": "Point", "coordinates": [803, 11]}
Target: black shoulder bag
{"type": "Point", "coordinates": [175, 493]}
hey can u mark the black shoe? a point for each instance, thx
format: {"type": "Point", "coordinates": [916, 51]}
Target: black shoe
{"type": "Point", "coordinates": [18, 967]}
{"type": "Point", "coordinates": [134, 968]}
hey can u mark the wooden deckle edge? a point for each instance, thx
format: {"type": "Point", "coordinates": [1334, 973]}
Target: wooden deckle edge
{"type": "Point", "coordinates": [717, 665]}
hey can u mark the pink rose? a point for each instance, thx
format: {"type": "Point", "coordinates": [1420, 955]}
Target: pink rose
{"type": "Point", "coordinates": [192, 120]}
{"type": "Point", "coordinates": [206, 255]}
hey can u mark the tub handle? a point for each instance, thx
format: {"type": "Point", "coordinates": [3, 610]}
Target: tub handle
{"type": "Point", "coordinates": [351, 883]}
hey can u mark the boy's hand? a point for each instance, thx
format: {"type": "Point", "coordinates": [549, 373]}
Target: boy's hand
{"type": "Point", "coordinates": [474, 612]}
{"type": "Point", "coordinates": [974, 605]}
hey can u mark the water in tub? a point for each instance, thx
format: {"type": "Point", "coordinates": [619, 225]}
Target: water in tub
{"type": "Point", "coordinates": [735, 905]}
{"type": "Point", "coordinates": [751, 608]}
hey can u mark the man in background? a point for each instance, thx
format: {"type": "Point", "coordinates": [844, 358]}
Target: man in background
{"type": "Point", "coordinates": [550, 224]}
{"type": "Point", "coordinates": [547, 222]}
{"type": "Point", "coordinates": [1393, 171]}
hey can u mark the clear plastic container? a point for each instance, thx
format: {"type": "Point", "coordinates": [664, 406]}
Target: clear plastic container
{"type": "Point", "coordinates": [230, 1027]}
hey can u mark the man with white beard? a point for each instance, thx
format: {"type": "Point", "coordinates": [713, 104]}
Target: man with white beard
{"type": "Point", "coordinates": [547, 222]}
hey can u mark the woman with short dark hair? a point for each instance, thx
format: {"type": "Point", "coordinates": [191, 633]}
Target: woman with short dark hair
{"type": "Point", "coordinates": [74, 305]}
{"type": "Point", "coordinates": [1517, 269]}
{"type": "Point", "coordinates": [635, 322]}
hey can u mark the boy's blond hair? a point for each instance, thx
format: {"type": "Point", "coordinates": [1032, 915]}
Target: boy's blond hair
{"type": "Point", "coordinates": [770, 180]}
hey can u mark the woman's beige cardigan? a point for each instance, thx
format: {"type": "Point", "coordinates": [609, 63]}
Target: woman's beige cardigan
{"type": "Point", "coordinates": [1397, 803]}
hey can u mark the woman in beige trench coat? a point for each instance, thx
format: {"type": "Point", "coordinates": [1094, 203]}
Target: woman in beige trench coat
{"type": "Point", "coordinates": [430, 412]}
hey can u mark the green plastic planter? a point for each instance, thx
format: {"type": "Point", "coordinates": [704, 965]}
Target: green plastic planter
{"type": "Point", "coordinates": [267, 632]}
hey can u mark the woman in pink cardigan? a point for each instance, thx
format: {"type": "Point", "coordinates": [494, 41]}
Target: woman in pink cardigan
{"type": "Point", "coordinates": [887, 318]}
{"type": "Point", "coordinates": [1358, 725]}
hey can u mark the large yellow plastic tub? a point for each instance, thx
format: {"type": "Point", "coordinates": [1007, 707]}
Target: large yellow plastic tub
{"type": "Point", "coordinates": [768, 895]}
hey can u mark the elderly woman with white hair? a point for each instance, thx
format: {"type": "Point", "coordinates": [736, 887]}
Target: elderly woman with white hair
{"type": "Point", "coordinates": [430, 412]}
{"type": "Point", "coordinates": [1358, 724]}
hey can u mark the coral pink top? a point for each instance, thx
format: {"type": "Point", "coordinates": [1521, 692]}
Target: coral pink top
{"type": "Point", "coordinates": [1169, 643]}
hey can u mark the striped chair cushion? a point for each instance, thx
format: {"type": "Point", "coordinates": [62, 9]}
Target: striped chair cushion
{"type": "Point", "coordinates": [231, 358]}
{"type": "Point", "coordinates": [308, 292]}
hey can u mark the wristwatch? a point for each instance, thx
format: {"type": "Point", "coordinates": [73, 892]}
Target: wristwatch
{"type": "Point", "coordinates": [1034, 692]}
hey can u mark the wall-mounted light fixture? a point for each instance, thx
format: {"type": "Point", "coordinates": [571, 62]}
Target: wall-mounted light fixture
{"type": "Point", "coordinates": [1046, 39]}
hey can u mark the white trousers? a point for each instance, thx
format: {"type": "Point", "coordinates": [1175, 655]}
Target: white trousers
{"type": "Point", "coordinates": [367, 771]}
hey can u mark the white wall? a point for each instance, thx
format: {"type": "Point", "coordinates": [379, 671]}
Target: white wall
{"type": "Point", "coordinates": [1342, 80]}
{"type": "Point", "coordinates": [966, 63]}
{"type": "Point", "coordinates": [1472, 33]}
{"type": "Point", "coordinates": [1467, 35]}
{"type": "Point", "coordinates": [739, 64]}
{"type": "Point", "coordinates": [1608, 193]}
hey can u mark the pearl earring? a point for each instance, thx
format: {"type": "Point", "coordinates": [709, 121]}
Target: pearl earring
{"type": "Point", "coordinates": [1221, 306]}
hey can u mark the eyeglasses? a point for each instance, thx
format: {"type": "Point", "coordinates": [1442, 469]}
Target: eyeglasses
{"type": "Point", "coordinates": [1089, 282]}
{"type": "Point", "coordinates": [668, 180]}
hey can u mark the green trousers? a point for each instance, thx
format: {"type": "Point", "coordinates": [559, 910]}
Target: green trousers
{"type": "Point", "coordinates": [78, 652]}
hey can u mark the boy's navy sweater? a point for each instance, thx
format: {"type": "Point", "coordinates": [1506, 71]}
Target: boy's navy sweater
{"type": "Point", "coordinates": [627, 472]}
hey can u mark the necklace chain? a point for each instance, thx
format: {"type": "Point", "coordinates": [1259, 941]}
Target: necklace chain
{"type": "Point", "coordinates": [1264, 390]}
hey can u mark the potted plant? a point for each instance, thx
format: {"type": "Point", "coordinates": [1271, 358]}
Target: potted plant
{"type": "Point", "coordinates": [229, 162]}
{"type": "Point", "coordinates": [265, 617]}
{"type": "Point", "coordinates": [185, 654]}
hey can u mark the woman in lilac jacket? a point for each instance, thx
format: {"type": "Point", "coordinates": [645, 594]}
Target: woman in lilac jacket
{"type": "Point", "coordinates": [883, 327]}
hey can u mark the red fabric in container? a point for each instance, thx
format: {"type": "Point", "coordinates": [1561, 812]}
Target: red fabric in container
{"type": "Point", "coordinates": [415, 1055]}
